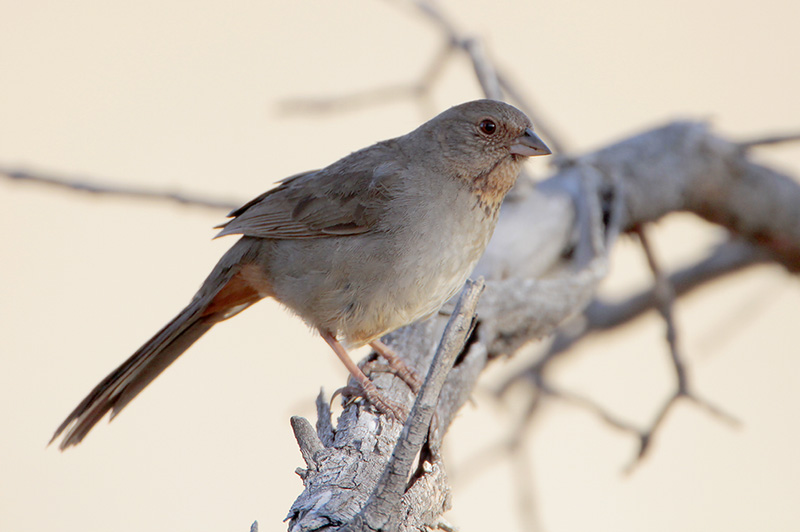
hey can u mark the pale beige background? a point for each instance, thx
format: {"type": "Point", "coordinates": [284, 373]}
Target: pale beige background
{"type": "Point", "coordinates": [182, 96]}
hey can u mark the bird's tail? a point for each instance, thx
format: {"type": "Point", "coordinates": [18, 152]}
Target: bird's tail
{"type": "Point", "coordinates": [227, 291]}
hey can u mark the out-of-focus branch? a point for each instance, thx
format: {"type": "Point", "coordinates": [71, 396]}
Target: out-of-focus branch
{"type": "Point", "coordinates": [548, 255]}
{"type": "Point", "coordinates": [687, 162]}
{"type": "Point", "coordinates": [771, 140]}
{"type": "Point", "coordinates": [727, 258]}
{"type": "Point", "coordinates": [494, 84]}
{"type": "Point", "coordinates": [716, 180]}
{"type": "Point", "coordinates": [94, 187]}
{"type": "Point", "coordinates": [380, 95]}
{"type": "Point", "coordinates": [664, 295]}
{"type": "Point", "coordinates": [426, 493]}
{"type": "Point", "coordinates": [543, 266]}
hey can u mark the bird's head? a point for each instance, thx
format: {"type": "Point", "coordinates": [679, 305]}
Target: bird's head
{"type": "Point", "coordinates": [485, 143]}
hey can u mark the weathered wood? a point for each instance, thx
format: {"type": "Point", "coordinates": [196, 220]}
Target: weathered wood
{"type": "Point", "coordinates": [543, 265]}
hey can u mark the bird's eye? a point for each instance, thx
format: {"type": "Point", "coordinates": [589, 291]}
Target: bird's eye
{"type": "Point", "coordinates": [488, 127]}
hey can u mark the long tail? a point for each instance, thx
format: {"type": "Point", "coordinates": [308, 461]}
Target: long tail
{"type": "Point", "coordinates": [229, 289]}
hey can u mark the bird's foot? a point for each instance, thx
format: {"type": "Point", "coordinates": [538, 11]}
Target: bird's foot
{"type": "Point", "coordinates": [410, 377]}
{"type": "Point", "coordinates": [398, 365]}
{"type": "Point", "coordinates": [370, 392]}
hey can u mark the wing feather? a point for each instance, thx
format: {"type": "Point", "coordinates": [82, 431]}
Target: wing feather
{"type": "Point", "coordinates": [343, 199]}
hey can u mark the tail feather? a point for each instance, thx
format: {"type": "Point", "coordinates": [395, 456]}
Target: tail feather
{"type": "Point", "coordinates": [153, 368]}
{"type": "Point", "coordinates": [234, 285]}
{"type": "Point", "coordinates": [130, 378]}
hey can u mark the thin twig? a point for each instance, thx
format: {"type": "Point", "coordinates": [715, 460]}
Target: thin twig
{"type": "Point", "coordinates": [646, 436]}
{"type": "Point", "coordinates": [489, 76]}
{"type": "Point", "coordinates": [525, 495]}
{"type": "Point", "coordinates": [665, 303]}
{"type": "Point", "coordinates": [587, 404]}
{"type": "Point", "coordinates": [486, 457]}
{"type": "Point", "coordinates": [775, 139]}
{"type": "Point", "coordinates": [380, 95]}
{"type": "Point", "coordinates": [493, 84]}
{"type": "Point", "coordinates": [81, 185]}
{"type": "Point", "coordinates": [726, 258]}
{"type": "Point", "coordinates": [484, 69]}
{"type": "Point", "coordinates": [437, 16]}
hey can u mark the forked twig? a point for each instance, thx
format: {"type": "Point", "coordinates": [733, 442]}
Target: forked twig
{"type": "Point", "coordinates": [494, 84]}
{"type": "Point", "coordinates": [665, 301]}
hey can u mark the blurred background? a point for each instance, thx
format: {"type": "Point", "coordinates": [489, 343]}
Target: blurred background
{"type": "Point", "coordinates": [186, 96]}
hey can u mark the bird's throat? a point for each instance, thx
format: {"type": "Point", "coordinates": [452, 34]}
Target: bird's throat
{"type": "Point", "coordinates": [491, 187]}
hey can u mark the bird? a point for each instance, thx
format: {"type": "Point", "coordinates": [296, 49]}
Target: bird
{"type": "Point", "coordinates": [375, 241]}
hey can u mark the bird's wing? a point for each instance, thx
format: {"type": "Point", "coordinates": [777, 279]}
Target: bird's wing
{"type": "Point", "coordinates": [342, 199]}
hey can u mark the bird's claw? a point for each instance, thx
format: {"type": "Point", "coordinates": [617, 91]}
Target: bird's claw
{"type": "Point", "coordinates": [398, 365]}
{"type": "Point", "coordinates": [405, 373]}
{"type": "Point", "coordinates": [383, 405]}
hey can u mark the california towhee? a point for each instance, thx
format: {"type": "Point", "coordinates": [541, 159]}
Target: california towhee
{"type": "Point", "coordinates": [375, 241]}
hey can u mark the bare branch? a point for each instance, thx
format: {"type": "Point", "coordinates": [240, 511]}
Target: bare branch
{"type": "Point", "coordinates": [766, 141]}
{"type": "Point", "coordinates": [665, 300]}
{"type": "Point", "coordinates": [308, 441]}
{"type": "Point", "coordinates": [665, 303]}
{"type": "Point", "coordinates": [711, 177]}
{"type": "Point", "coordinates": [484, 70]}
{"type": "Point", "coordinates": [587, 404]}
{"type": "Point", "coordinates": [493, 84]}
{"type": "Point", "coordinates": [525, 494]}
{"type": "Point", "coordinates": [728, 257]}
{"type": "Point", "coordinates": [361, 476]}
{"type": "Point", "coordinates": [544, 264]}
{"type": "Point", "coordinates": [669, 181]}
{"type": "Point", "coordinates": [437, 16]}
{"type": "Point", "coordinates": [82, 185]}
{"type": "Point", "coordinates": [492, 81]}
{"type": "Point", "coordinates": [382, 511]}
{"type": "Point", "coordinates": [380, 95]}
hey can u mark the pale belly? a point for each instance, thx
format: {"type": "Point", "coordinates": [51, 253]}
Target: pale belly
{"type": "Point", "coordinates": [427, 270]}
{"type": "Point", "coordinates": [361, 287]}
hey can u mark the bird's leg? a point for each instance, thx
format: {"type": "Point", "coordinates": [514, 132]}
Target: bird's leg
{"type": "Point", "coordinates": [402, 370]}
{"type": "Point", "coordinates": [371, 392]}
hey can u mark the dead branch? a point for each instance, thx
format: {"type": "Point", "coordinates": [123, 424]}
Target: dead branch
{"type": "Point", "coordinates": [494, 83]}
{"type": "Point", "coordinates": [543, 266]}
{"type": "Point", "coordinates": [550, 246]}
{"type": "Point", "coordinates": [664, 296]}
{"type": "Point", "coordinates": [356, 458]}
{"type": "Point", "coordinates": [93, 186]}
{"type": "Point", "coordinates": [727, 258]}
{"type": "Point", "coordinates": [771, 140]}
{"type": "Point", "coordinates": [385, 506]}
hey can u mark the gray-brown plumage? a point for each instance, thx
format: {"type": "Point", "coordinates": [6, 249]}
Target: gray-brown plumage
{"type": "Point", "coordinates": [375, 241]}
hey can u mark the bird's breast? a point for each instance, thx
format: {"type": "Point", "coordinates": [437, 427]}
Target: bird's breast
{"type": "Point", "coordinates": [428, 259]}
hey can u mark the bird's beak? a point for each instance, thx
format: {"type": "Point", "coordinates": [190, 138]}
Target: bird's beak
{"type": "Point", "coordinates": [528, 145]}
